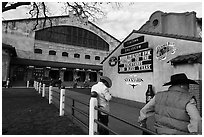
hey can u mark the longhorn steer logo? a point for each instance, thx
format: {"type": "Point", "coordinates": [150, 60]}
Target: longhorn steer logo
{"type": "Point", "coordinates": [133, 81]}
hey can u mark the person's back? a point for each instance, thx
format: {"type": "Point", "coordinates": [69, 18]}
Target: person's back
{"type": "Point", "coordinates": [170, 111]}
{"type": "Point", "coordinates": [103, 97]}
{"type": "Point", "coordinates": [175, 110]}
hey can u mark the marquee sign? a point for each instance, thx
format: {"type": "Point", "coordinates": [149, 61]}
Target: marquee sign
{"type": "Point", "coordinates": [134, 48]}
{"type": "Point", "coordinates": [140, 61]}
{"type": "Point", "coordinates": [133, 41]}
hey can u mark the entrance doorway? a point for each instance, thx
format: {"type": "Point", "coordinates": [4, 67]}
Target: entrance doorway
{"type": "Point", "coordinates": [54, 74]}
{"type": "Point", "coordinates": [19, 74]}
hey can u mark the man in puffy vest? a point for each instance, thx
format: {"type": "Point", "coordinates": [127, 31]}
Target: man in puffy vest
{"type": "Point", "coordinates": [104, 96]}
{"type": "Point", "coordinates": [175, 109]}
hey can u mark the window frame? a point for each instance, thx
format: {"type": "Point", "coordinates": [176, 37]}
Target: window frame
{"type": "Point", "coordinates": [52, 52]}
{"type": "Point", "coordinates": [97, 58]}
{"type": "Point", "coordinates": [87, 57]}
{"type": "Point", "coordinates": [65, 54]}
{"type": "Point", "coordinates": [37, 51]}
{"type": "Point", "coordinates": [76, 55]}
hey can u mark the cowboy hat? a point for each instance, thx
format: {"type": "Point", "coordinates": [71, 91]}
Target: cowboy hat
{"type": "Point", "coordinates": [180, 78]}
{"type": "Point", "coordinates": [108, 80]}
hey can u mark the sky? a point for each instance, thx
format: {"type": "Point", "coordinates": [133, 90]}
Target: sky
{"type": "Point", "coordinates": [120, 22]}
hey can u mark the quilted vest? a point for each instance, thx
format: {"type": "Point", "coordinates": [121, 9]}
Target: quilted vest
{"type": "Point", "coordinates": [170, 113]}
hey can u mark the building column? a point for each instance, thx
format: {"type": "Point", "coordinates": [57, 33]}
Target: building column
{"type": "Point", "coordinates": [98, 75]}
{"type": "Point", "coordinates": [75, 74]}
{"type": "Point", "coordinates": [87, 76]}
{"type": "Point", "coordinates": [62, 70]}
{"type": "Point", "coordinates": [47, 71]}
{"type": "Point", "coordinates": [30, 72]}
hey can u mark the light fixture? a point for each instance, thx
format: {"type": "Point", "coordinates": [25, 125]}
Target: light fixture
{"type": "Point", "coordinates": [63, 68]}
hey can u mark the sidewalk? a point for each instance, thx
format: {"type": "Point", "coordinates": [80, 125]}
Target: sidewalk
{"type": "Point", "coordinates": [24, 112]}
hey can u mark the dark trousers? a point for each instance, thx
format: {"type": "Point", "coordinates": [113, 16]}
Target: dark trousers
{"type": "Point", "coordinates": [104, 120]}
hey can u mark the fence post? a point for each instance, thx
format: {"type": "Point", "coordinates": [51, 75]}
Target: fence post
{"type": "Point", "coordinates": [28, 84]}
{"type": "Point", "coordinates": [93, 114]}
{"type": "Point", "coordinates": [40, 88]}
{"type": "Point", "coordinates": [7, 83]}
{"type": "Point", "coordinates": [43, 91]}
{"type": "Point", "coordinates": [34, 84]}
{"type": "Point", "coordinates": [37, 85]}
{"type": "Point", "coordinates": [50, 94]}
{"type": "Point", "coordinates": [62, 100]}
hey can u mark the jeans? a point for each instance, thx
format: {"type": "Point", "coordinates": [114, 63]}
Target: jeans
{"type": "Point", "coordinates": [104, 120]}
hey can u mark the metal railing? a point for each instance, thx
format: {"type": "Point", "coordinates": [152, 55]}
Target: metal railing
{"type": "Point", "coordinates": [122, 120]}
{"type": "Point", "coordinates": [74, 108]}
{"type": "Point", "coordinates": [92, 114]}
{"type": "Point", "coordinates": [94, 118]}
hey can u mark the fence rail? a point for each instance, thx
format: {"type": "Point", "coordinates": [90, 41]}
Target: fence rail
{"type": "Point", "coordinates": [126, 122]}
{"type": "Point", "coordinates": [93, 109]}
{"type": "Point", "coordinates": [73, 108]}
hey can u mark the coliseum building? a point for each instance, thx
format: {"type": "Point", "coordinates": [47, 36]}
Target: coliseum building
{"type": "Point", "coordinates": [63, 47]}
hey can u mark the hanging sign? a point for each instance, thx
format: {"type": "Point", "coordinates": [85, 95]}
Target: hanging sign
{"type": "Point", "coordinates": [140, 61]}
{"type": "Point", "coordinates": [133, 41]}
{"type": "Point", "coordinates": [134, 48]}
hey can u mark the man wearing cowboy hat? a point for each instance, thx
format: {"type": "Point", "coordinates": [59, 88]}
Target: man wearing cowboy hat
{"type": "Point", "coordinates": [104, 96]}
{"type": "Point", "coordinates": [175, 109]}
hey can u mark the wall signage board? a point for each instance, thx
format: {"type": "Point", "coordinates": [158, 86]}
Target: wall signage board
{"type": "Point", "coordinates": [134, 48]}
{"type": "Point", "coordinates": [140, 61]}
{"type": "Point", "coordinates": [133, 41]}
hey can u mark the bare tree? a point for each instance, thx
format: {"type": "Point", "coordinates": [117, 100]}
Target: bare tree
{"type": "Point", "coordinates": [6, 6]}
{"type": "Point", "coordinates": [90, 10]}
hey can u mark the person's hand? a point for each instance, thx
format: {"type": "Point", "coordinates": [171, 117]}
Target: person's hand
{"type": "Point", "coordinates": [142, 123]}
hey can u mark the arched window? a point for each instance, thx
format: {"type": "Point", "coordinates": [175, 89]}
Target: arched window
{"type": "Point", "coordinates": [76, 55]}
{"type": "Point", "coordinates": [87, 57]}
{"type": "Point", "coordinates": [64, 54]}
{"type": "Point", "coordinates": [52, 52]}
{"type": "Point", "coordinates": [38, 51]}
{"type": "Point", "coordinates": [72, 35]}
{"type": "Point", "coordinates": [97, 58]}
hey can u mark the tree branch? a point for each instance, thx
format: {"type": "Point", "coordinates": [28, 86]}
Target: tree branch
{"type": "Point", "coordinates": [13, 6]}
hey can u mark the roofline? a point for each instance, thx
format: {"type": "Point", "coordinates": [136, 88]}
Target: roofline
{"type": "Point", "coordinates": [116, 48]}
{"type": "Point", "coordinates": [104, 31]}
{"type": "Point", "coordinates": [44, 63]}
{"type": "Point", "coordinates": [51, 17]}
{"type": "Point", "coordinates": [157, 34]}
{"type": "Point", "coordinates": [169, 35]}
{"type": "Point", "coordinates": [33, 18]}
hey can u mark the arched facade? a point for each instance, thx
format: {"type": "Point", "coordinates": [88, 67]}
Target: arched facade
{"type": "Point", "coordinates": [67, 48]}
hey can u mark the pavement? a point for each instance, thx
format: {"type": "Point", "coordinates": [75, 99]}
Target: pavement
{"type": "Point", "coordinates": [124, 109]}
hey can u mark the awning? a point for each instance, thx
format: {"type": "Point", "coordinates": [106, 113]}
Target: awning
{"type": "Point", "coordinates": [41, 63]}
{"type": "Point", "coordinates": [187, 59]}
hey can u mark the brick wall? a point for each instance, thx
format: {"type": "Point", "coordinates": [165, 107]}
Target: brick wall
{"type": "Point", "coordinates": [196, 90]}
